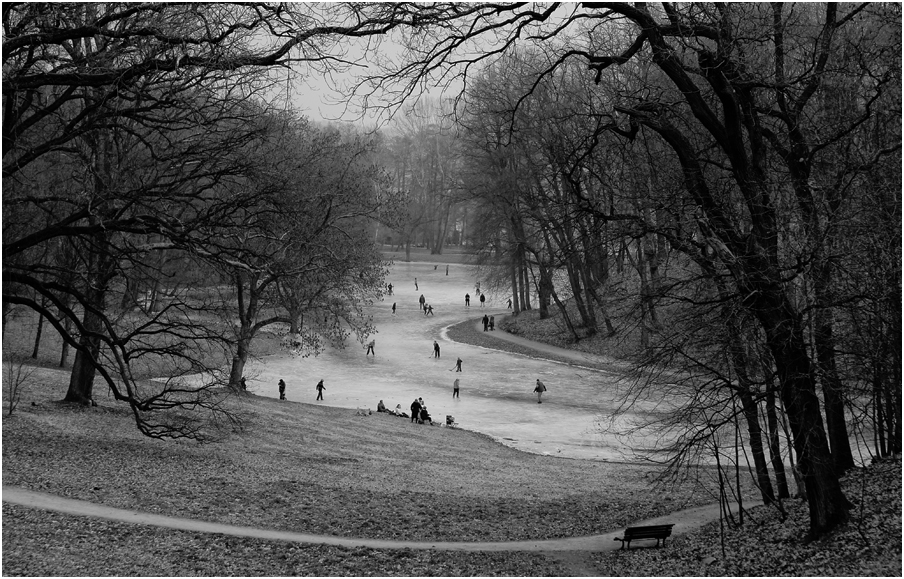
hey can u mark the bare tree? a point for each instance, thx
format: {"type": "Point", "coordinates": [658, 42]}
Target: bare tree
{"type": "Point", "coordinates": [731, 92]}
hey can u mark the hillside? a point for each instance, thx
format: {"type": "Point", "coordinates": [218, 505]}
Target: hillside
{"type": "Point", "coordinates": [325, 470]}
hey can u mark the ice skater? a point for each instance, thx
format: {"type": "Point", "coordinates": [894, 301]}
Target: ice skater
{"type": "Point", "coordinates": [320, 388]}
{"type": "Point", "coordinates": [429, 310]}
{"type": "Point", "coordinates": [415, 285]}
{"type": "Point", "coordinates": [282, 389]}
{"type": "Point", "coordinates": [370, 348]}
{"type": "Point", "coordinates": [422, 300]}
{"type": "Point", "coordinates": [415, 410]}
{"type": "Point", "coordinates": [458, 365]}
{"type": "Point", "coordinates": [539, 389]}
{"type": "Point", "coordinates": [467, 300]}
{"type": "Point", "coordinates": [510, 303]}
{"type": "Point", "coordinates": [393, 308]}
{"type": "Point", "coordinates": [435, 349]}
{"type": "Point", "coordinates": [455, 389]}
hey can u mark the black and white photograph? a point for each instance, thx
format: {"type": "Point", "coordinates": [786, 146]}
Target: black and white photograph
{"type": "Point", "coordinates": [658, 246]}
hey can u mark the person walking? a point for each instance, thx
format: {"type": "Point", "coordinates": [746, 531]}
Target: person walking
{"type": "Point", "coordinates": [458, 365]}
{"type": "Point", "coordinates": [482, 299]}
{"type": "Point", "coordinates": [320, 388]}
{"type": "Point", "coordinates": [370, 348]}
{"type": "Point", "coordinates": [282, 389]}
{"type": "Point", "coordinates": [393, 308]}
{"type": "Point", "coordinates": [415, 285]}
{"type": "Point", "coordinates": [510, 303]}
{"type": "Point", "coordinates": [468, 300]}
{"type": "Point", "coordinates": [435, 349]}
{"type": "Point", "coordinates": [539, 389]}
{"type": "Point", "coordinates": [447, 270]}
{"type": "Point", "coordinates": [455, 389]}
{"type": "Point", "coordinates": [486, 322]}
{"type": "Point", "coordinates": [422, 300]}
{"type": "Point", "coordinates": [492, 323]}
{"type": "Point", "coordinates": [415, 410]}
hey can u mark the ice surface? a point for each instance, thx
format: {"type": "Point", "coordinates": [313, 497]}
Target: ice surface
{"type": "Point", "coordinates": [497, 395]}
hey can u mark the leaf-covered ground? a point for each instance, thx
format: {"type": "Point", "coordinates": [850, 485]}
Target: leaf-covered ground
{"type": "Point", "coordinates": [325, 470]}
{"type": "Point", "coordinates": [868, 545]}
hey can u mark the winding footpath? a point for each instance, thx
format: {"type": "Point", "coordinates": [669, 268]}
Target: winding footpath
{"type": "Point", "coordinates": [684, 521]}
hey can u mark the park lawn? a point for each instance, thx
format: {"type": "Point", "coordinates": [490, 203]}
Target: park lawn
{"type": "Point", "coordinates": [322, 470]}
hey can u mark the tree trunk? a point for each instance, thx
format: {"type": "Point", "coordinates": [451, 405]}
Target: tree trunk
{"type": "Point", "coordinates": [755, 434]}
{"type": "Point", "coordinates": [64, 350]}
{"type": "Point", "coordinates": [34, 352]}
{"type": "Point", "coordinates": [81, 379]}
{"type": "Point", "coordinates": [832, 389]}
{"type": "Point", "coordinates": [827, 504]}
{"type": "Point", "coordinates": [775, 452]}
{"type": "Point", "coordinates": [513, 270]}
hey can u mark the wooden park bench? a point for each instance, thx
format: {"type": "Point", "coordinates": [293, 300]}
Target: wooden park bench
{"type": "Point", "coordinates": [650, 532]}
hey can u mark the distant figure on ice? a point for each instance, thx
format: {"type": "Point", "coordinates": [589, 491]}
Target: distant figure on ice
{"type": "Point", "coordinates": [320, 388]}
{"type": "Point", "coordinates": [415, 284]}
{"type": "Point", "coordinates": [486, 322]}
{"type": "Point", "coordinates": [370, 348]}
{"type": "Point", "coordinates": [282, 389]}
{"type": "Point", "coordinates": [455, 388]}
{"type": "Point", "coordinates": [425, 416]}
{"type": "Point", "coordinates": [393, 308]}
{"type": "Point", "coordinates": [482, 299]}
{"type": "Point", "coordinates": [447, 270]}
{"type": "Point", "coordinates": [422, 300]}
{"type": "Point", "coordinates": [389, 287]}
{"type": "Point", "coordinates": [539, 389]}
{"type": "Point", "coordinates": [430, 310]}
{"type": "Point", "coordinates": [458, 365]}
{"type": "Point", "coordinates": [435, 266]}
{"type": "Point", "coordinates": [510, 303]}
{"type": "Point", "coordinates": [492, 323]}
{"type": "Point", "coordinates": [435, 349]}
{"type": "Point", "coordinates": [468, 300]}
{"type": "Point", "coordinates": [415, 410]}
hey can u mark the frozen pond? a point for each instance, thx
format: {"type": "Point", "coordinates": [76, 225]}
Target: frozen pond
{"type": "Point", "coordinates": [496, 387]}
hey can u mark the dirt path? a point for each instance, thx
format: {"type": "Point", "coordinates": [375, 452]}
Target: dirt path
{"type": "Point", "coordinates": [684, 521]}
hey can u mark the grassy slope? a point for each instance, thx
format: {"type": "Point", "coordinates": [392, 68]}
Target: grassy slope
{"type": "Point", "coordinates": [321, 470]}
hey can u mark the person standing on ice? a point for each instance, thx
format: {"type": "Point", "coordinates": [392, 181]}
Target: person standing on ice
{"type": "Point", "coordinates": [415, 410]}
{"type": "Point", "coordinates": [435, 349]}
{"type": "Point", "coordinates": [455, 389]}
{"type": "Point", "coordinates": [540, 389]}
{"type": "Point", "coordinates": [370, 348]}
{"type": "Point", "coordinates": [282, 389]}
